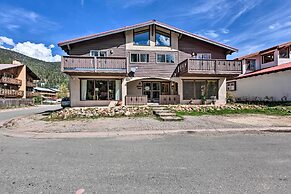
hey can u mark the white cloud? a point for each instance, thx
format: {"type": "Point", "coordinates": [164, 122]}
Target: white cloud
{"type": "Point", "coordinates": [211, 33]}
{"type": "Point", "coordinates": [5, 40]}
{"type": "Point", "coordinates": [38, 51]}
{"type": "Point", "coordinates": [34, 50]}
{"type": "Point", "coordinates": [13, 18]}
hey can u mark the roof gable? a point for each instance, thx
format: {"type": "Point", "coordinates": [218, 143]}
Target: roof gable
{"type": "Point", "coordinates": [151, 22]}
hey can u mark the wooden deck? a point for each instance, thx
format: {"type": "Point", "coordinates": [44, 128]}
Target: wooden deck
{"type": "Point", "coordinates": [190, 67]}
{"type": "Point", "coordinates": [114, 65]}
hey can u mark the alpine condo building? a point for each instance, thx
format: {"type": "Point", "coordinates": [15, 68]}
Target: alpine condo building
{"type": "Point", "coordinates": [150, 62]}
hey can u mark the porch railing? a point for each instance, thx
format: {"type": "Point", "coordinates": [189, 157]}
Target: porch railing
{"type": "Point", "coordinates": [136, 100]}
{"type": "Point", "coordinates": [94, 64]}
{"type": "Point", "coordinates": [209, 66]}
{"type": "Point", "coordinates": [8, 80]}
{"type": "Point", "coordinates": [169, 99]}
{"type": "Point", "coordinates": [30, 84]}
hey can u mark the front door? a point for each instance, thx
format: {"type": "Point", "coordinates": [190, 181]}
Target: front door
{"type": "Point", "coordinates": [152, 91]}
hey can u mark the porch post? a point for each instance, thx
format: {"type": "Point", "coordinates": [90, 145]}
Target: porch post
{"type": "Point", "coordinates": [123, 90]}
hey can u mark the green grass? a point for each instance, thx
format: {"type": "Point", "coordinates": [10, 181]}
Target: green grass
{"type": "Point", "coordinates": [279, 111]}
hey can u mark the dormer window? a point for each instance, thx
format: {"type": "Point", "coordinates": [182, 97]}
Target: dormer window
{"type": "Point", "coordinates": [163, 39]}
{"type": "Point", "coordinates": [267, 58]}
{"type": "Point", "coordinates": [141, 37]}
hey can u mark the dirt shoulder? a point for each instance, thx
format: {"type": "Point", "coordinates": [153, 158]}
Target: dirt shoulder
{"type": "Point", "coordinates": [35, 126]}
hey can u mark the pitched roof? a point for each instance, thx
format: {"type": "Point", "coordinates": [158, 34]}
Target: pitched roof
{"type": "Point", "coordinates": [8, 66]}
{"type": "Point", "coordinates": [151, 22]}
{"type": "Point", "coordinates": [45, 89]}
{"type": "Point", "coordinates": [286, 44]}
{"type": "Point", "coordinates": [282, 67]}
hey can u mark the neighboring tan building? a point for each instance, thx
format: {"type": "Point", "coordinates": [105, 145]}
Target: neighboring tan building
{"type": "Point", "coordinates": [47, 94]}
{"type": "Point", "coordinates": [150, 62]}
{"type": "Point", "coordinates": [266, 75]}
{"type": "Point", "coordinates": [16, 81]}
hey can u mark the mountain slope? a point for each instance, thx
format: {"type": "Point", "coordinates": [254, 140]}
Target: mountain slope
{"type": "Point", "coordinates": [49, 72]}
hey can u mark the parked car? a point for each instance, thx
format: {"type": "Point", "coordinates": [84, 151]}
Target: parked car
{"type": "Point", "coordinates": [66, 102]}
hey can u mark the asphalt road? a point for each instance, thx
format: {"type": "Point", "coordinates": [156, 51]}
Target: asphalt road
{"type": "Point", "coordinates": [213, 163]}
{"type": "Point", "coordinates": [13, 113]}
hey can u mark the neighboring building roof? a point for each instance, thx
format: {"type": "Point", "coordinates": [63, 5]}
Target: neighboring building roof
{"type": "Point", "coordinates": [8, 66]}
{"type": "Point", "coordinates": [286, 44]}
{"type": "Point", "coordinates": [151, 22]}
{"type": "Point", "coordinates": [282, 67]}
{"type": "Point", "coordinates": [45, 90]}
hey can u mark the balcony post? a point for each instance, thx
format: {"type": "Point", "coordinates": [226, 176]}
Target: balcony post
{"type": "Point", "coordinates": [95, 64]}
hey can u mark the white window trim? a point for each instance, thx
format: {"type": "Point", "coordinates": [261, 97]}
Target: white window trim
{"type": "Point", "coordinates": [165, 58]}
{"type": "Point", "coordinates": [106, 51]}
{"type": "Point", "coordinates": [203, 54]}
{"type": "Point", "coordinates": [139, 57]}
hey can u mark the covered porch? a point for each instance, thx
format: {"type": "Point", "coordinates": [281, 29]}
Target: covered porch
{"type": "Point", "coordinates": [142, 91]}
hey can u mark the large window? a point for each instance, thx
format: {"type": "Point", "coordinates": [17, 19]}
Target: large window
{"type": "Point", "coordinates": [268, 57]}
{"type": "Point", "coordinates": [97, 53]}
{"type": "Point", "coordinates": [165, 58]}
{"type": "Point", "coordinates": [93, 89]}
{"type": "Point", "coordinates": [141, 38]}
{"type": "Point", "coordinates": [139, 58]}
{"type": "Point", "coordinates": [163, 39]}
{"type": "Point", "coordinates": [197, 89]}
{"type": "Point", "coordinates": [284, 53]}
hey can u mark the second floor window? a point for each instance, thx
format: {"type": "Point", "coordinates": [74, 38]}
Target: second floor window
{"type": "Point", "coordinates": [141, 38]}
{"type": "Point", "coordinates": [203, 56]}
{"type": "Point", "coordinates": [165, 58]}
{"type": "Point", "coordinates": [268, 58]}
{"type": "Point", "coordinates": [139, 58]}
{"type": "Point", "coordinates": [163, 39]}
{"type": "Point", "coordinates": [96, 53]}
{"type": "Point", "coordinates": [284, 53]}
{"type": "Point", "coordinates": [251, 64]}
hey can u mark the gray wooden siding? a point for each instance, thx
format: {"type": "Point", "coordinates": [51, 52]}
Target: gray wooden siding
{"type": "Point", "coordinates": [115, 42]}
{"type": "Point", "coordinates": [188, 45]}
{"type": "Point", "coordinates": [153, 69]}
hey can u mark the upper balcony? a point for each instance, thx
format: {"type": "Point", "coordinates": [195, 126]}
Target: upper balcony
{"type": "Point", "coordinates": [12, 81]}
{"type": "Point", "coordinates": [11, 93]}
{"type": "Point", "coordinates": [30, 84]}
{"type": "Point", "coordinates": [203, 67]}
{"type": "Point", "coordinates": [88, 64]}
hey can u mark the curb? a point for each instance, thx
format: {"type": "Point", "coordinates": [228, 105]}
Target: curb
{"type": "Point", "coordinates": [86, 134]}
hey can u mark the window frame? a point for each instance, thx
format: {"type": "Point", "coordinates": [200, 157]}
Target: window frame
{"type": "Point", "coordinates": [206, 88]}
{"type": "Point", "coordinates": [94, 80]}
{"type": "Point", "coordinates": [263, 60]}
{"type": "Point", "coordinates": [140, 32]}
{"type": "Point", "coordinates": [98, 51]}
{"type": "Point", "coordinates": [165, 58]}
{"type": "Point", "coordinates": [164, 34]}
{"type": "Point", "coordinates": [288, 53]}
{"type": "Point", "coordinates": [139, 58]}
{"type": "Point", "coordinates": [196, 57]}
{"type": "Point", "coordinates": [234, 86]}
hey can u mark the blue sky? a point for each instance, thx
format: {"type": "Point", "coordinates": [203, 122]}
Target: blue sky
{"type": "Point", "coordinates": [34, 27]}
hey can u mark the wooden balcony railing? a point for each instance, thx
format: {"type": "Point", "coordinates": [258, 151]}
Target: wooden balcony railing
{"type": "Point", "coordinates": [208, 67]}
{"type": "Point", "coordinates": [136, 100]}
{"type": "Point", "coordinates": [8, 80]}
{"type": "Point", "coordinates": [94, 64]}
{"type": "Point", "coordinates": [11, 93]}
{"type": "Point", "coordinates": [30, 84]}
{"type": "Point", "coordinates": [169, 99]}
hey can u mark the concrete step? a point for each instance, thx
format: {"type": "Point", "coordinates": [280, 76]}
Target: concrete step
{"type": "Point", "coordinates": [166, 114]}
{"type": "Point", "coordinates": [162, 111]}
{"type": "Point", "coordinates": [171, 118]}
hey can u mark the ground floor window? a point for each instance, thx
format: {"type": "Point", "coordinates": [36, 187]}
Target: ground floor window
{"type": "Point", "coordinates": [198, 89]}
{"type": "Point", "coordinates": [95, 89]}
